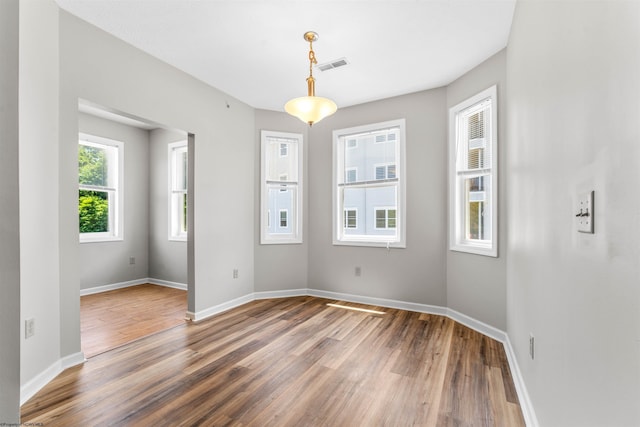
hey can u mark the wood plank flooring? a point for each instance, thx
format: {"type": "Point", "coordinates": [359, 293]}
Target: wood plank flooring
{"type": "Point", "coordinates": [111, 319]}
{"type": "Point", "coordinates": [291, 362]}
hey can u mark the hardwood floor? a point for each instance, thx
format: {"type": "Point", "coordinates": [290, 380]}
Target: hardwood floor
{"type": "Point", "coordinates": [291, 362]}
{"type": "Point", "coordinates": [111, 319]}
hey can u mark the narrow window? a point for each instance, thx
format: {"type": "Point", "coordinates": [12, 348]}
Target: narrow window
{"type": "Point", "coordinates": [178, 172]}
{"type": "Point", "coordinates": [369, 207]}
{"type": "Point", "coordinates": [281, 187]}
{"type": "Point", "coordinates": [99, 194]}
{"type": "Point", "coordinates": [473, 182]}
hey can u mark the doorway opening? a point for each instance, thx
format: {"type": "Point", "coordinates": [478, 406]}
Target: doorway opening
{"type": "Point", "coordinates": [133, 209]}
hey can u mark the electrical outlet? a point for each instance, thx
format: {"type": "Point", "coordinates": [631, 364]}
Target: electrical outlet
{"type": "Point", "coordinates": [29, 328]}
{"type": "Point", "coordinates": [132, 260]}
{"type": "Point", "coordinates": [532, 346]}
{"type": "Point", "coordinates": [235, 273]}
{"type": "Point", "coordinates": [358, 271]}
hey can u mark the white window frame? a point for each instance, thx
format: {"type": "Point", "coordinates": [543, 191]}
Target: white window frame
{"type": "Point", "coordinates": [294, 218]}
{"type": "Point", "coordinates": [340, 237]}
{"type": "Point", "coordinates": [457, 175]}
{"type": "Point", "coordinates": [115, 151]}
{"type": "Point", "coordinates": [382, 165]}
{"type": "Point", "coordinates": [176, 214]}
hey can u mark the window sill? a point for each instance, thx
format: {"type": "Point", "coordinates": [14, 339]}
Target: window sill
{"type": "Point", "coordinates": [483, 250]}
{"type": "Point", "coordinates": [371, 244]}
{"type": "Point", "coordinates": [100, 239]}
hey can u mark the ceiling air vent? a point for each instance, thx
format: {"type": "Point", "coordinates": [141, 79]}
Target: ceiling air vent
{"type": "Point", "coordinates": [333, 64]}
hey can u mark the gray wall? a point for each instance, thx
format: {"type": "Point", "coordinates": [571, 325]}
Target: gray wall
{"type": "Point", "coordinates": [573, 70]}
{"type": "Point", "coordinates": [105, 263]}
{"type": "Point", "coordinates": [39, 232]}
{"type": "Point", "coordinates": [167, 259]}
{"type": "Point", "coordinates": [280, 267]}
{"type": "Point", "coordinates": [9, 232]}
{"type": "Point", "coordinates": [476, 285]}
{"type": "Point", "coordinates": [415, 274]}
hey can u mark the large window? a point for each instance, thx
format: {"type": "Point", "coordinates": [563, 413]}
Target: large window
{"type": "Point", "coordinates": [99, 189]}
{"type": "Point", "coordinates": [473, 175]}
{"type": "Point", "coordinates": [369, 189]}
{"type": "Point", "coordinates": [178, 170]}
{"type": "Point", "coordinates": [281, 189]}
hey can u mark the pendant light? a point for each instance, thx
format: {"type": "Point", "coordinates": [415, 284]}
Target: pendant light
{"type": "Point", "coordinates": [311, 108]}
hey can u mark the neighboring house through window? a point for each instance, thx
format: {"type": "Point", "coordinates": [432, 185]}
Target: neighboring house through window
{"type": "Point", "coordinates": [281, 187]}
{"type": "Point", "coordinates": [100, 205]}
{"type": "Point", "coordinates": [369, 185]}
{"type": "Point", "coordinates": [473, 195]}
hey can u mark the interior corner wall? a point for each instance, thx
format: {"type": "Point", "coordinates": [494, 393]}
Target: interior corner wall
{"type": "Point", "coordinates": [38, 152]}
{"type": "Point", "coordinates": [167, 258]}
{"type": "Point", "coordinates": [106, 263]}
{"type": "Point", "coordinates": [476, 284]}
{"type": "Point", "coordinates": [281, 267]}
{"type": "Point", "coordinates": [9, 212]}
{"type": "Point", "coordinates": [417, 273]}
{"type": "Point", "coordinates": [573, 70]}
{"type": "Point", "coordinates": [99, 68]}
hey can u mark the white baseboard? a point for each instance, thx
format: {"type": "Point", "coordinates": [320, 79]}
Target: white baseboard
{"type": "Point", "coordinates": [281, 294]}
{"type": "Point", "coordinates": [217, 309]}
{"type": "Point", "coordinates": [382, 302]}
{"type": "Point", "coordinates": [120, 285]}
{"type": "Point", "coordinates": [523, 396]}
{"type": "Point", "coordinates": [28, 390]}
{"type": "Point", "coordinates": [167, 283]}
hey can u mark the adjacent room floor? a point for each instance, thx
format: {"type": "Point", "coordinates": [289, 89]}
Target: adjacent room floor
{"type": "Point", "coordinates": [290, 362]}
{"type": "Point", "coordinates": [111, 319]}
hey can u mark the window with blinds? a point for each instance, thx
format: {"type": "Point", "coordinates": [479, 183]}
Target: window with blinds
{"type": "Point", "coordinates": [369, 194]}
{"type": "Point", "coordinates": [473, 166]}
{"type": "Point", "coordinates": [281, 189]}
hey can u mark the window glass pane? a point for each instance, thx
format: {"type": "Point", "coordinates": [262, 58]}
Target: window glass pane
{"type": "Point", "coordinates": [281, 199]}
{"type": "Point", "coordinates": [182, 170]}
{"type": "Point", "coordinates": [373, 220]}
{"type": "Point", "coordinates": [281, 159]}
{"type": "Point", "coordinates": [93, 209]}
{"type": "Point", "coordinates": [92, 166]}
{"type": "Point", "coordinates": [369, 157]}
{"type": "Point", "coordinates": [478, 218]}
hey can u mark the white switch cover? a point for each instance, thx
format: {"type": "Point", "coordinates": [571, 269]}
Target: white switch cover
{"type": "Point", "coordinates": [584, 213]}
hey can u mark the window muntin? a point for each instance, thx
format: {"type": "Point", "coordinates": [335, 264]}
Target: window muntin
{"type": "Point", "coordinates": [473, 159]}
{"type": "Point", "coordinates": [178, 194]}
{"type": "Point", "coordinates": [99, 183]}
{"type": "Point", "coordinates": [378, 152]}
{"type": "Point", "coordinates": [281, 189]}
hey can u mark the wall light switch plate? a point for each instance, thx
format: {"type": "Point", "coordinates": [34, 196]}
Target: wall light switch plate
{"type": "Point", "coordinates": [584, 213]}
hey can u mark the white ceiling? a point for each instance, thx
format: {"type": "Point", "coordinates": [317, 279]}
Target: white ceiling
{"type": "Point", "coordinates": [254, 51]}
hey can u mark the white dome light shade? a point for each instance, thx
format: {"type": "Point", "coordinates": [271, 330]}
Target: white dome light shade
{"type": "Point", "coordinates": [311, 109]}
